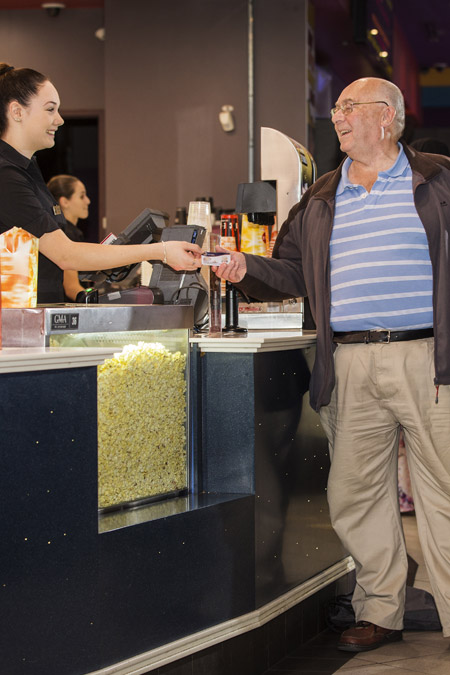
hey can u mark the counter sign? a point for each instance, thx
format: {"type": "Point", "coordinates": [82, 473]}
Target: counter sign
{"type": "Point", "coordinates": [65, 321]}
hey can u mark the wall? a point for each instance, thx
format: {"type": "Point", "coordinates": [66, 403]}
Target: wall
{"type": "Point", "coordinates": [169, 68]}
{"type": "Point", "coordinates": [280, 70]}
{"type": "Point", "coordinates": [405, 73]}
{"type": "Point", "coordinates": [64, 48]}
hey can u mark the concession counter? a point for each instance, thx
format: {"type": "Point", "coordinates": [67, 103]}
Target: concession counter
{"type": "Point", "coordinates": [163, 494]}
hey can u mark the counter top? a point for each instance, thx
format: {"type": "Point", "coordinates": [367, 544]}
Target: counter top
{"type": "Point", "coordinates": [17, 359]}
{"type": "Point", "coordinates": [257, 341]}
{"type": "Point", "coordinates": [21, 359]}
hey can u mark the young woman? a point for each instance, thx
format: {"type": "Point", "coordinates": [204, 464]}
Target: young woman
{"type": "Point", "coordinates": [29, 119]}
{"type": "Point", "coordinates": [70, 194]}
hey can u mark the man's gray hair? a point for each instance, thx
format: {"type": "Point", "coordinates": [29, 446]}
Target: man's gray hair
{"type": "Point", "coordinates": [392, 94]}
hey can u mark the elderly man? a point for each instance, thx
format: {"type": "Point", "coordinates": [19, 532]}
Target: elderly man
{"type": "Point", "coordinates": [369, 245]}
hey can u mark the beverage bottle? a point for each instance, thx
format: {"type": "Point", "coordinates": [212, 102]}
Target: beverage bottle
{"type": "Point", "coordinates": [229, 235]}
{"type": "Point", "coordinates": [215, 305]}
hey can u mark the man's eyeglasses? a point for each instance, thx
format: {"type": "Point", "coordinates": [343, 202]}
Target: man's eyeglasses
{"type": "Point", "coordinates": [347, 108]}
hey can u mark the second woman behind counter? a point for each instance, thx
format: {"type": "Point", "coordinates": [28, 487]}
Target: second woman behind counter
{"type": "Point", "coordinates": [71, 195]}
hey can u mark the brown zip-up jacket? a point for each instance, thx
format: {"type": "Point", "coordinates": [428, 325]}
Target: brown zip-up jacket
{"type": "Point", "coordinates": [301, 262]}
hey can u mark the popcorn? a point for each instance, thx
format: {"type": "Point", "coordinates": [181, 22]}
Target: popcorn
{"type": "Point", "coordinates": [141, 424]}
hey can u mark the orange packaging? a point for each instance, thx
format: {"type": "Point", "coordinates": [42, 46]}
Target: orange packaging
{"type": "Point", "coordinates": [254, 238]}
{"type": "Point", "coordinates": [273, 237]}
{"type": "Point", "coordinates": [19, 268]}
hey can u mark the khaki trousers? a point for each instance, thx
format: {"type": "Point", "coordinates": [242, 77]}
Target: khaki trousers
{"type": "Point", "coordinates": [379, 387]}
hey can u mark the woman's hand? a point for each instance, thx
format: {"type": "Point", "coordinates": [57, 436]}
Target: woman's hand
{"type": "Point", "coordinates": [181, 255]}
{"type": "Point", "coordinates": [235, 270]}
{"type": "Point", "coordinates": [72, 284]}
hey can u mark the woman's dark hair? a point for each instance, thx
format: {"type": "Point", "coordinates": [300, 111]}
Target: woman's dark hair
{"type": "Point", "coordinates": [62, 186]}
{"type": "Point", "coordinates": [17, 84]}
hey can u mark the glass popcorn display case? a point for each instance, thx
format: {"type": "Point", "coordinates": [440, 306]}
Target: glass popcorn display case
{"type": "Point", "coordinates": [142, 413]}
{"type": "Point", "coordinates": [142, 402]}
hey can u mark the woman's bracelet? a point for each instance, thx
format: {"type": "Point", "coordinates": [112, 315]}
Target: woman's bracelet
{"type": "Point", "coordinates": [165, 252]}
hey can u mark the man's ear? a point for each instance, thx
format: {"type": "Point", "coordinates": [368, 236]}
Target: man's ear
{"type": "Point", "coordinates": [388, 116]}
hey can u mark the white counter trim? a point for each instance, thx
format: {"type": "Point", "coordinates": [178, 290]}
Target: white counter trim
{"type": "Point", "coordinates": [257, 341]}
{"type": "Point", "coordinates": [26, 359]}
{"type": "Point", "coordinates": [156, 658]}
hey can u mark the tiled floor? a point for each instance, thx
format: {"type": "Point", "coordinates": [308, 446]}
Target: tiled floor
{"type": "Point", "coordinates": [419, 652]}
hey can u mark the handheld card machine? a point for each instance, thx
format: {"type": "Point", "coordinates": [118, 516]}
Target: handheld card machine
{"type": "Point", "coordinates": [184, 287]}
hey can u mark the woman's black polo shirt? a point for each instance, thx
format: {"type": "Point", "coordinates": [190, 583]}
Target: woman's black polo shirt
{"type": "Point", "coordinates": [26, 202]}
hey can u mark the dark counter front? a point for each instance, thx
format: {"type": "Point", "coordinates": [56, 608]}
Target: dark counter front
{"type": "Point", "coordinates": [260, 435]}
{"type": "Point", "coordinates": [79, 593]}
{"type": "Point", "coordinates": [72, 599]}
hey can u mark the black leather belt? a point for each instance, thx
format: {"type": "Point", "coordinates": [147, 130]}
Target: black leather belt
{"type": "Point", "coordinates": [367, 336]}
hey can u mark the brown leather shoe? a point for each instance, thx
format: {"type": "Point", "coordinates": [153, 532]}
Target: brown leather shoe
{"type": "Point", "coordinates": [365, 636]}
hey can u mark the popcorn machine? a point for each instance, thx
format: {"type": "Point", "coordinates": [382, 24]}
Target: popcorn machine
{"type": "Point", "coordinates": [141, 353]}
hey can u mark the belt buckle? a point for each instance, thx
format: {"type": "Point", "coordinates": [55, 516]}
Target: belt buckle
{"type": "Point", "coordinates": [385, 340]}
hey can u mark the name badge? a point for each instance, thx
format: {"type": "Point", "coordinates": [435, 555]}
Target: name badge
{"type": "Point", "coordinates": [57, 210]}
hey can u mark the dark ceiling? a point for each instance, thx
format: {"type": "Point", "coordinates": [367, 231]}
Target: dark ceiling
{"type": "Point", "coordinates": [425, 23]}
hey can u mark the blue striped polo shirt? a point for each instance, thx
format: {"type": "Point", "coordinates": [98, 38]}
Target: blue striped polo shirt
{"type": "Point", "coordinates": [380, 264]}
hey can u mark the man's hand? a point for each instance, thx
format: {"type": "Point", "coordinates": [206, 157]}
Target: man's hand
{"type": "Point", "coordinates": [233, 271]}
